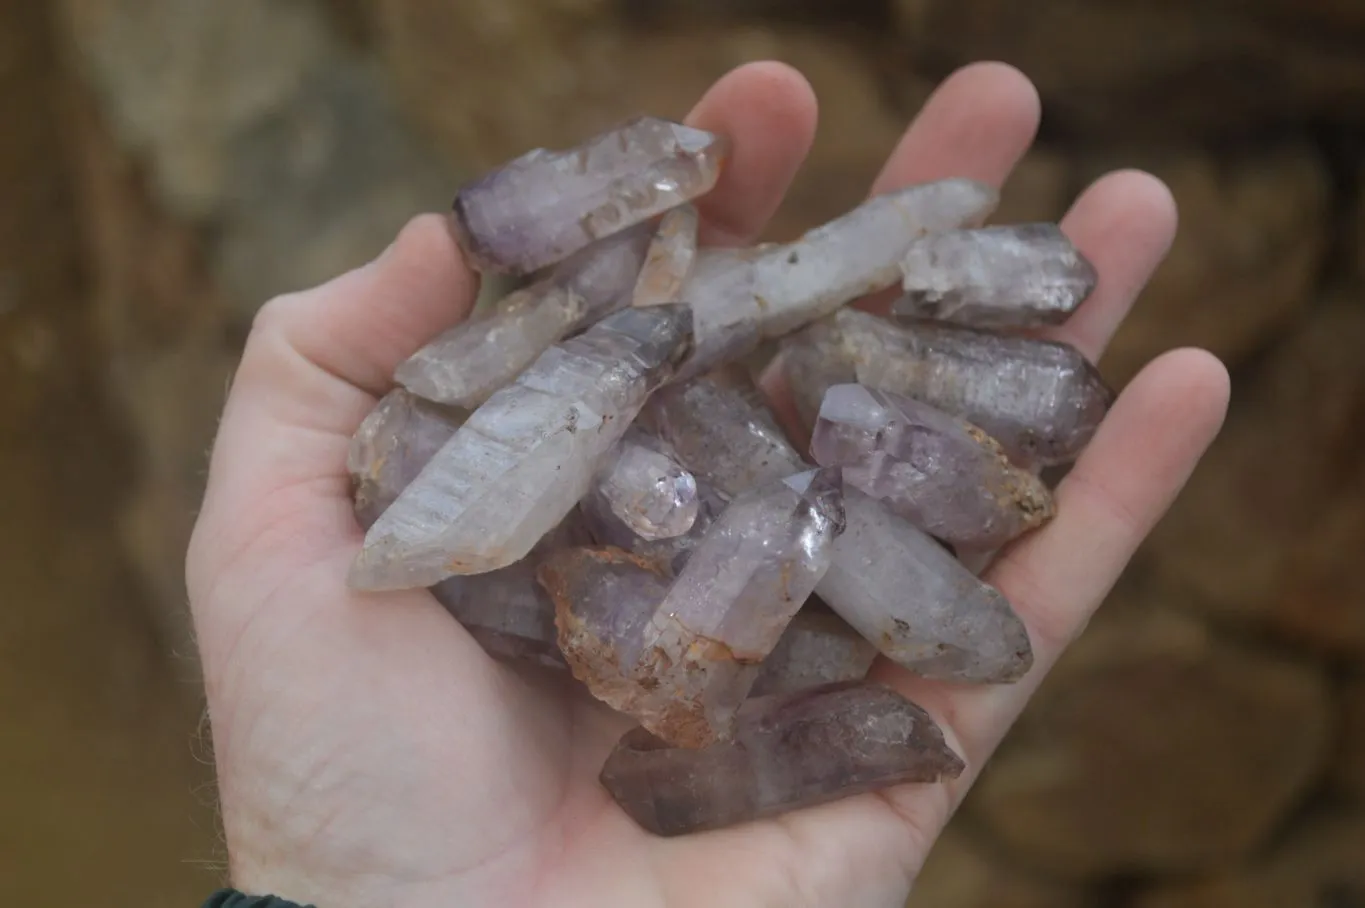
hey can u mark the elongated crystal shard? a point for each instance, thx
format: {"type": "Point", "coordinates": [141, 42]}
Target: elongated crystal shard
{"type": "Point", "coordinates": [682, 662]}
{"type": "Point", "coordinates": [1016, 276]}
{"type": "Point", "coordinates": [1041, 400]}
{"type": "Point", "coordinates": [922, 608]}
{"type": "Point", "coordinates": [546, 205]}
{"type": "Point", "coordinates": [898, 587]}
{"type": "Point", "coordinates": [526, 456]}
{"type": "Point", "coordinates": [507, 612]}
{"type": "Point", "coordinates": [391, 446]}
{"type": "Point", "coordinates": [818, 647]}
{"type": "Point", "coordinates": [789, 751]}
{"type": "Point", "coordinates": [646, 488]}
{"type": "Point", "coordinates": [467, 363]}
{"type": "Point", "coordinates": [943, 474]}
{"type": "Point", "coordinates": [742, 296]}
{"type": "Point", "coordinates": [669, 260]}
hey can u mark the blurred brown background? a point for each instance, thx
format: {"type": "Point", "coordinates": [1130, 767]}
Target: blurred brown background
{"type": "Point", "coordinates": [168, 164]}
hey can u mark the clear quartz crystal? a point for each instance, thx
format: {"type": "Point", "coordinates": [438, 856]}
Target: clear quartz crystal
{"type": "Point", "coordinates": [546, 205]}
{"type": "Point", "coordinates": [391, 446]}
{"type": "Point", "coordinates": [681, 663]}
{"type": "Point", "coordinates": [742, 296]}
{"type": "Point", "coordinates": [669, 260]}
{"type": "Point", "coordinates": [524, 458]}
{"type": "Point", "coordinates": [944, 475]}
{"type": "Point", "coordinates": [667, 554]}
{"type": "Point", "coordinates": [789, 751]}
{"type": "Point", "coordinates": [1015, 276]}
{"type": "Point", "coordinates": [467, 363]}
{"type": "Point", "coordinates": [1041, 400]}
{"type": "Point", "coordinates": [646, 488]}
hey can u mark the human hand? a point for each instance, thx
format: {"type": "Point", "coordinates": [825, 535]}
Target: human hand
{"type": "Point", "coordinates": [370, 753]}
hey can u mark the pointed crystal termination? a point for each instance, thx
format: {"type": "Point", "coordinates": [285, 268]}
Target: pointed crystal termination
{"type": "Point", "coordinates": [646, 488]}
{"type": "Point", "coordinates": [918, 604]}
{"type": "Point", "coordinates": [1016, 276]}
{"type": "Point", "coordinates": [722, 432]}
{"type": "Point", "coordinates": [669, 260]}
{"type": "Point", "coordinates": [890, 581]}
{"type": "Point", "coordinates": [392, 445]}
{"type": "Point", "coordinates": [742, 296]}
{"type": "Point", "coordinates": [683, 662]}
{"type": "Point", "coordinates": [467, 363]}
{"type": "Point", "coordinates": [1041, 400]}
{"type": "Point", "coordinates": [507, 611]}
{"type": "Point", "coordinates": [668, 554]}
{"type": "Point", "coordinates": [522, 461]}
{"type": "Point", "coordinates": [944, 475]}
{"type": "Point", "coordinates": [789, 751]}
{"type": "Point", "coordinates": [546, 205]}
{"type": "Point", "coordinates": [818, 647]}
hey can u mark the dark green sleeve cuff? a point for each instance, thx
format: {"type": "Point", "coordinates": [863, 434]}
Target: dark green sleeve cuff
{"type": "Point", "coordinates": [231, 898]}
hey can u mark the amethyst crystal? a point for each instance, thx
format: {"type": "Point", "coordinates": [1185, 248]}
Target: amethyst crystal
{"type": "Point", "coordinates": [944, 475]}
{"type": "Point", "coordinates": [680, 657]}
{"type": "Point", "coordinates": [546, 205]}
{"type": "Point", "coordinates": [392, 445]}
{"type": "Point", "coordinates": [669, 260]}
{"type": "Point", "coordinates": [788, 752]}
{"type": "Point", "coordinates": [818, 647]}
{"type": "Point", "coordinates": [524, 459]}
{"type": "Point", "coordinates": [646, 489]}
{"type": "Point", "coordinates": [1017, 276]}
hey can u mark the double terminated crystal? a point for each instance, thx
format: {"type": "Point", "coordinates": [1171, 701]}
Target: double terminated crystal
{"type": "Point", "coordinates": [693, 606]}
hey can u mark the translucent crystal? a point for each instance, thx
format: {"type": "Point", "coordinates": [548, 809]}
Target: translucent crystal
{"type": "Point", "coordinates": [668, 554]}
{"type": "Point", "coordinates": [789, 751]}
{"type": "Point", "coordinates": [944, 475]}
{"type": "Point", "coordinates": [391, 446]}
{"type": "Point", "coordinates": [669, 260]}
{"type": "Point", "coordinates": [467, 363]}
{"type": "Point", "coordinates": [524, 458]}
{"type": "Point", "coordinates": [1021, 275]}
{"type": "Point", "coordinates": [818, 647]}
{"type": "Point", "coordinates": [1041, 400]}
{"type": "Point", "coordinates": [646, 488]}
{"type": "Point", "coordinates": [546, 205]}
{"type": "Point", "coordinates": [680, 657]}
{"type": "Point", "coordinates": [741, 296]}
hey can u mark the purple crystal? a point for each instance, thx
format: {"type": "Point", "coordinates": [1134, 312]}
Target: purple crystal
{"type": "Point", "coordinates": [667, 554]}
{"type": "Point", "coordinates": [669, 260]}
{"type": "Point", "coordinates": [682, 662]}
{"type": "Point", "coordinates": [1041, 400]}
{"type": "Point", "coordinates": [522, 461]}
{"type": "Point", "coordinates": [391, 446]}
{"type": "Point", "coordinates": [507, 612]}
{"type": "Point", "coordinates": [1015, 276]}
{"type": "Point", "coordinates": [818, 647]}
{"type": "Point", "coordinates": [467, 363]}
{"type": "Point", "coordinates": [789, 751]}
{"type": "Point", "coordinates": [646, 488]}
{"type": "Point", "coordinates": [944, 475]}
{"type": "Point", "coordinates": [546, 205]}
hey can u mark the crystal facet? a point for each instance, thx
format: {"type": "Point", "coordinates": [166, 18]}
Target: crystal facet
{"type": "Point", "coordinates": [682, 662]}
{"type": "Point", "coordinates": [944, 475]}
{"type": "Point", "coordinates": [669, 260]}
{"type": "Point", "coordinates": [524, 459]}
{"type": "Point", "coordinates": [392, 445]}
{"type": "Point", "coordinates": [668, 554]}
{"type": "Point", "coordinates": [1041, 400]}
{"type": "Point", "coordinates": [1014, 276]}
{"type": "Point", "coordinates": [789, 751]}
{"type": "Point", "coordinates": [646, 489]}
{"type": "Point", "coordinates": [546, 205]}
{"type": "Point", "coordinates": [467, 363]}
{"type": "Point", "coordinates": [741, 296]}
{"type": "Point", "coordinates": [818, 647]}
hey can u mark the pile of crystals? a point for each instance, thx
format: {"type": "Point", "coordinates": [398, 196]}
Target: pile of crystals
{"type": "Point", "coordinates": [589, 482]}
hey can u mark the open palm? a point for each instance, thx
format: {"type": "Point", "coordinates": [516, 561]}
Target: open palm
{"type": "Point", "coordinates": [369, 752]}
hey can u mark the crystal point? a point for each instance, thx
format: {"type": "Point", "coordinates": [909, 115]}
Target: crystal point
{"type": "Point", "coordinates": [391, 446]}
{"type": "Point", "coordinates": [546, 205]}
{"type": "Point", "coordinates": [944, 475]}
{"type": "Point", "coordinates": [467, 363]}
{"type": "Point", "coordinates": [789, 751]}
{"type": "Point", "coordinates": [1013, 276]}
{"type": "Point", "coordinates": [646, 488]}
{"type": "Point", "coordinates": [682, 662]}
{"type": "Point", "coordinates": [524, 458]}
{"type": "Point", "coordinates": [669, 259]}
{"type": "Point", "coordinates": [1041, 400]}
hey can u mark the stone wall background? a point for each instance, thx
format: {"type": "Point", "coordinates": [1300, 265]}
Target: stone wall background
{"type": "Point", "coordinates": [169, 164]}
